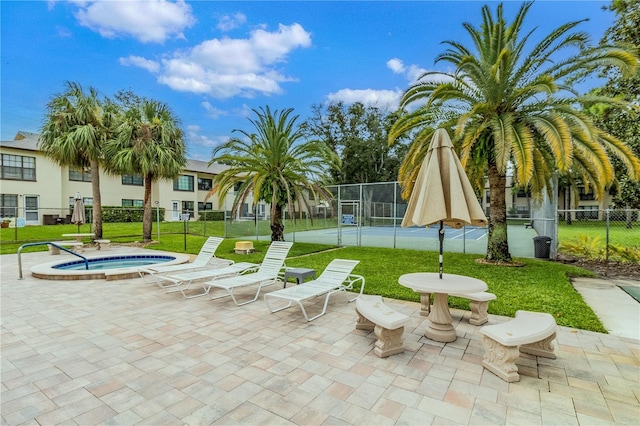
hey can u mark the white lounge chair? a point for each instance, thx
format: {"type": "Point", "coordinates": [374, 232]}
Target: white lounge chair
{"type": "Point", "coordinates": [267, 274]}
{"type": "Point", "coordinates": [175, 283]}
{"type": "Point", "coordinates": [336, 277]}
{"type": "Point", "coordinates": [205, 259]}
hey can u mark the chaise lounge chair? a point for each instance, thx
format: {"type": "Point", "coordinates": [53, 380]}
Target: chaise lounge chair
{"type": "Point", "coordinates": [205, 259]}
{"type": "Point", "coordinates": [268, 273]}
{"type": "Point", "coordinates": [335, 278]}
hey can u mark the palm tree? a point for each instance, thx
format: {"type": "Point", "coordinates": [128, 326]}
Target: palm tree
{"type": "Point", "coordinates": [275, 165]}
{"type": "Point", "coordinates": [75, 129]}
{"type": "Point", "coordinates": [149, 142]}
{"type": "Point", "coordinates": [515, 108]}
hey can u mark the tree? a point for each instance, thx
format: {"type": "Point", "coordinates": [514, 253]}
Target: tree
{"type": "Point", "coordinates": [359, 135]}
{"type": "Point", "coordinates": [516, 108]}
{"type": "Point", "coordinates": [149, 142]}
{"type": "Point", "coordinates": [76, 127]}
{"type": "Point", "coordinates": [275, 164]}
{"type": "Point", "coordinates": [624, 124]}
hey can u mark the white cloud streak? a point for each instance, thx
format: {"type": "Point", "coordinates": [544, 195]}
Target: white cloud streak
{"type": "Point", "coordinates": [227, 67]}
{"type": "Point", "coordinates": [369, 97]}
{"type": "Point", "coordinates": [149, 21]}
{"type": "Point", "coordinates": [231, 22]}
{"type": "Point", "coordinates": [137, 61]}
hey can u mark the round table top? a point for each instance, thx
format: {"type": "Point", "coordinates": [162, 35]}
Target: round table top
{"type": "Point", "coordinates": [430, 282]}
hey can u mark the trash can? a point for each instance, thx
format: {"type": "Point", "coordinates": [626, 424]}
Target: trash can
{"type": "Point", "coordinates": [542, 247]}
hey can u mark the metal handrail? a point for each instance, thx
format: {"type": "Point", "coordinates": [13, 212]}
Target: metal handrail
{"type": "Point", "coordinates": [86, 262]}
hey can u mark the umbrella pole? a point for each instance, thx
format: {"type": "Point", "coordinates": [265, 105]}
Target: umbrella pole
{"type": "Point", "coordinates": [441, 238]}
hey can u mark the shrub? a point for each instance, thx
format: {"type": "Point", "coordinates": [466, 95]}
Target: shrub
{"type": "Point", "coordinates": [119, 214]}
{"type": "Point", "coordinates": [211, 216]}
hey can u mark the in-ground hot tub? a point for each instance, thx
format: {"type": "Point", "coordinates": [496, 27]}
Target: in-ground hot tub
{"type": "Point", "coordinates": [112, 267]}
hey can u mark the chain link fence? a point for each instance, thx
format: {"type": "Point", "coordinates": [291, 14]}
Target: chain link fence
{"type": "Point", "coordinates": [611, 235]}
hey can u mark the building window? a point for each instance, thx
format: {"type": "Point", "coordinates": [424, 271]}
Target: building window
{"type": "Point", "coordinates": [8, 205]}
{"type": "Point", "coordinates": [205, 184]}
{"type": "Point", "coordinates": [488, 197]}
{"type": "Point", "coordinates": [80, 175]}
{"type": "Point", "coordinates": [205, 206]}
{"type": "Point", "coordinates": [17, 167]}
{"type": "Point", "coordinates": [132, 180]}
{"type": "Point", "coordinates": [586, 195]}
{"type": "Point", "coordinates": [187, 207]}
{"type": "Point", "coordinates": [132, 203]}
{"type": "Point", "coordinates": [183, 183]}
{"type": "Point", "coordinates": [88, 201]}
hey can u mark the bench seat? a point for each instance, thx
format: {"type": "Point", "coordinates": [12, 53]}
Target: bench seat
{"type": "Point", "coordinates": [479, 305]}
{"type": "Point", "coordinates": [529, 332]}
{"type": "Point", "coordinates": [387, 324]}
{"type": "Point", "coordinates": [74, 246]}
{"type": "Point", "coordinates": [102, 244]}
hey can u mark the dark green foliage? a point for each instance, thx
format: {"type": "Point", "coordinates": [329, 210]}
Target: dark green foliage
{"type": "Point", "coordinates": [118, 214]}
{"type": "Point", "coordinates": [211, 216]}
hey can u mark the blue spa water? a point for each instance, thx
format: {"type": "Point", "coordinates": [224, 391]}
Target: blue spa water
{"type": "Point", "coordinates": [114, 262]}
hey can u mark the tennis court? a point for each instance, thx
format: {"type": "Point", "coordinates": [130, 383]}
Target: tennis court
{"type": "Point", "coordinates": [467, 232]}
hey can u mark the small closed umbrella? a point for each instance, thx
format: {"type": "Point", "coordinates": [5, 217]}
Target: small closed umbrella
{"type": "Point", "coordinates": [442, 192]}
{"type": "Point", "coordinates": [78, 211]}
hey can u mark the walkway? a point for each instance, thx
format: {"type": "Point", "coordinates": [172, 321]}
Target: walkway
{"type": "Point", "coordinates": [124, 352]}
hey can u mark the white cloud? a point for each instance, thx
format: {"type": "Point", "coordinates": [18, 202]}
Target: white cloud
{"type": "Point", "coordinates": [195, 137]}
{"type": "Point", "coordinates": [231, 22]}
{"type": "Point", "coordinates": [144, 20]}
{"type": "Point", "coordinates": [137, 61]}
{"type": "Point", "coordinates": [413, 72]}
{"type": "Point", "coordinates": [212, 111]}
{"type": "Point", "coordinates": [229, 67]}
{"type": "Point", "coordinates": [369, 97]}
{"type": "Point", "coordinates": [396, 65]}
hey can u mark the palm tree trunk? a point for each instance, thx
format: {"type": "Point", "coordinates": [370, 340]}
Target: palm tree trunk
{"type": "Point", "coordinates": [497, 245]}
{"type": "Point", "coordinates": [97, 200]}
{"type": "Point", "coordinates": [277, 228]}
{"type": "Point", "coordinates": [146, 215]}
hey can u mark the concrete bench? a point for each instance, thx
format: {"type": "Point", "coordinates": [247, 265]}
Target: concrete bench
{"type": "Point", "coordinates": [529, 332]}
{"type": "Point", "coordinates": [244, 247]}
{"type": "Point", "coordinates": [74, 246]}
{"type": "Point", "coordinates": [478, 305]}
{"type": "Point", "coordinates": [387, 324]}
{"type": "Point", "coordinates": [102, 244]}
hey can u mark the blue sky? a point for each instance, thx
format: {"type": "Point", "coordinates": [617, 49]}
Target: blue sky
{"type": "Point", "coordinates": [213, 62]}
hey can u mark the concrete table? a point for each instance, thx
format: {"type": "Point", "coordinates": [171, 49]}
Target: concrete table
{"type": "Point", "coordinates": [440, 326]}
{"type": "Point", "coordinates": [300, 274]}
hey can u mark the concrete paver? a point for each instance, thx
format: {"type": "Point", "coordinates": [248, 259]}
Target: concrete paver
{"type": "Point", "coordinates": [124, 352]}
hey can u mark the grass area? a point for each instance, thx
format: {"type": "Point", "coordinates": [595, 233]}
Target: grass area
{"type": "Point", "coordinates": [540, 285]}
{"type": "Point", "coordinates": [618, 233]}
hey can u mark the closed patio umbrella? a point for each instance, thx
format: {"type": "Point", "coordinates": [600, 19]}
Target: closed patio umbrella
{"type": "Point", "coordinates": [78, 211]}
{"type": "Point", "coordinates": [442, 192]}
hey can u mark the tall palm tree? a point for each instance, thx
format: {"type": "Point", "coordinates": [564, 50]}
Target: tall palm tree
{"type": "Point", "coordinates": [512, 107]}
{"type": "Point", "coordinates": [76, 127]}
{"type": "Point", "coordinates": [149, 142]}
{"type": "Point", "coordinates": [274, 164]}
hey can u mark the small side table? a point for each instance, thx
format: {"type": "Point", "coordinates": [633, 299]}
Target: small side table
{"type": "Point", "coordinates": [299, 274]}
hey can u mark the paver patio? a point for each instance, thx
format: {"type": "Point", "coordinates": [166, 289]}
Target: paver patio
{"type": "Point", "coordinates": [124, 352]}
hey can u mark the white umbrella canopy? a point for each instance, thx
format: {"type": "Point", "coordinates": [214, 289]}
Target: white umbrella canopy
{"type": "Point", "coordinates": [78, 211]}
{"type": "Point", "coordinates": [442, 192]}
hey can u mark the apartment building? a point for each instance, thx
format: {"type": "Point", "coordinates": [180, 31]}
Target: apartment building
{"type": "Point", "coordinates": [32, 187]}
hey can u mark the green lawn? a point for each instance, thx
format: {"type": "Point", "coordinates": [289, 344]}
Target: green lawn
{"type": "Point", "coordinates": [540, 285]}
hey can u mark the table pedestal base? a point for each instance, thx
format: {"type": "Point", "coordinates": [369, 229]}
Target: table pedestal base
{"type": "Point", "coordinates": [440, 326]}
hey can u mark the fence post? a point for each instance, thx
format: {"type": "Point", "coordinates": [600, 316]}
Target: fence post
{"type": "Point", "coordinates": [606, 249]}
{"type": "Point", "coordinates": [158, 218]}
